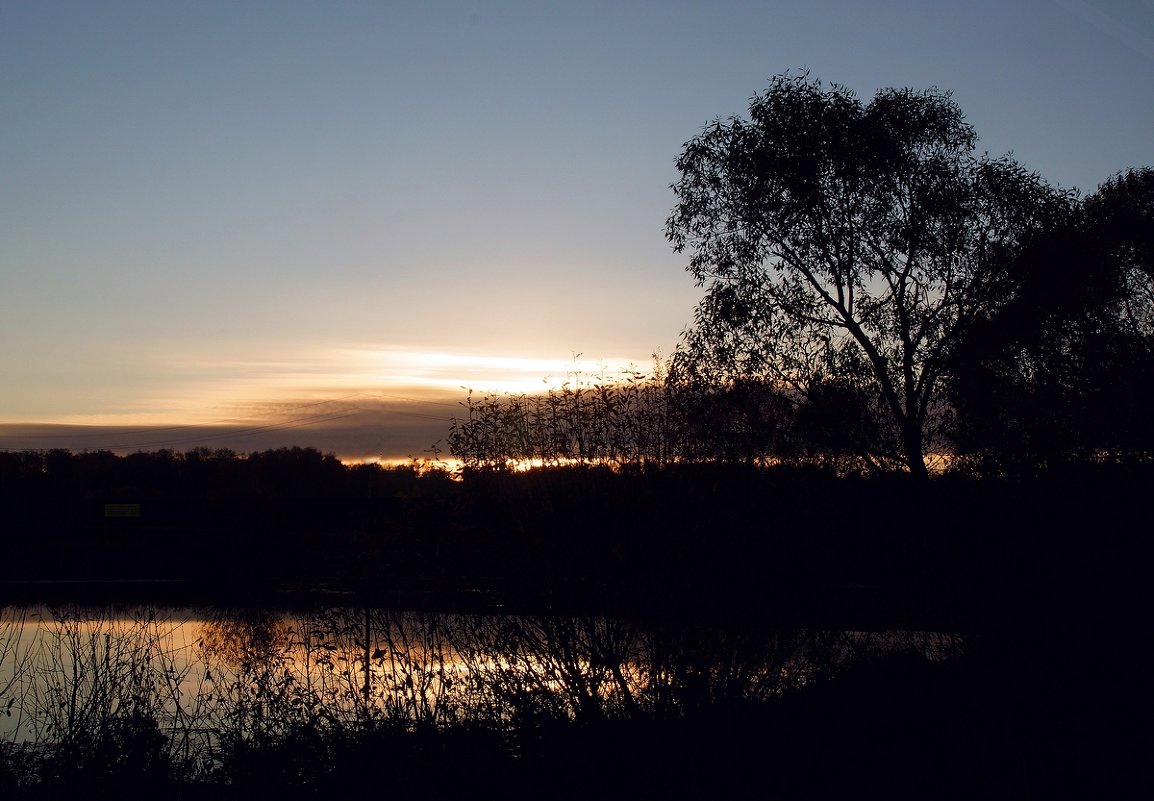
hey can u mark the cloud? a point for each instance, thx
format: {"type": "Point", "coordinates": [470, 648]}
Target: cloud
{"type": "Point", "coordinates": [358, 402]}
{"type": "Point", "coordinates": [361, 428]}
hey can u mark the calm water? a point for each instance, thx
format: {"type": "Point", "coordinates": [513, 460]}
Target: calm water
{"type": "Point", "coordinates": [201, 677]}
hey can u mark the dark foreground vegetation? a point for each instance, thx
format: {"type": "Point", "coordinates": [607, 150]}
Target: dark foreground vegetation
{"type": "Point", "coordinates": [351, 699]}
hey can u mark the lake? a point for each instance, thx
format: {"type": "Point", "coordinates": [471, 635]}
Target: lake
{"type": "Point", "coordinates": [195, 684]}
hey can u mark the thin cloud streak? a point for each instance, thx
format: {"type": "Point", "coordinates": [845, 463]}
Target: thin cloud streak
{"type": "Point", "coordinates": [363, 428]}
{"type": "Point", "coordinates": [217, 391]}
{"type": "Point", "coordinates": [361, 403]}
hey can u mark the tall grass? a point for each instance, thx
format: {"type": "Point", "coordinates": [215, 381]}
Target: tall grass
{"type": "Point", "coordinates": [102, 702]}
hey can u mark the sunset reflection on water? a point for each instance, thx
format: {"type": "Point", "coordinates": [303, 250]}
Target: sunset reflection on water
{"type": "Point", "coordinates": [203, 676]}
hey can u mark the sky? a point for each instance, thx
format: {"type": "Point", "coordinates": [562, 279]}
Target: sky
{"type": "Point", "coordinates": [260, 224]}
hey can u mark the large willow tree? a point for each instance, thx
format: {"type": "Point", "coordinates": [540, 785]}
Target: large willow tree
{"type": "Point", "coordinates": [847, 245]}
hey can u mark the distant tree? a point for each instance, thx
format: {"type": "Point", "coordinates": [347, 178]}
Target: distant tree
{"type": "Point", "coordinates": [847, 245]}
{"type": "Point", "coordinates": [590, 419]}
{"type": "Point", "coordinates": [1063, 369]}
{"type": "Point", "coordinates": [743, 420]}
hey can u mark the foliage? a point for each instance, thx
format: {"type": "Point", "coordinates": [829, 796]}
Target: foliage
{"type": "Point", "coordinates": [589, 420]}
{"type": "Point", "coordinates": [1063, 370]}
{"type": "Point", "coordinates": [850, 245]}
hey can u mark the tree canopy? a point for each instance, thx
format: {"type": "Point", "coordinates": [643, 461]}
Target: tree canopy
{"type": "Point", "coordinates": [846, 248]}
{"type": "Point", "coordinates": [1063, 369]}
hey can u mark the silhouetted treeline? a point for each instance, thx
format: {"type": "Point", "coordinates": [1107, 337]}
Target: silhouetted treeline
{"type": "Point", "coordinates": [1078, 397]}
{"type": "Point", "coordinates": [202, 486]}
{"type": "Point", "coordinates": [641, 420]}
{"type": "Point", "coordinates": [800, 543]}
{"type": "Point", "coordinates": [212, 515]}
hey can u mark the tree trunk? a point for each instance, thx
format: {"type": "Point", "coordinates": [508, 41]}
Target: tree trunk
{"type": "Point", "coordinates": [915, 456]}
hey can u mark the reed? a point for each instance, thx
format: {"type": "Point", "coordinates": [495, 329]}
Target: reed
{"type": "Point", "coordinates": [107, 702]}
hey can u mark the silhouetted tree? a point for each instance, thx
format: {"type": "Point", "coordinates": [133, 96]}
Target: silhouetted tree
{"type": "Point", "coordinates": [1063, 369]}
{"type": "Point", "coordinates": [743, 420]}
{"type": "Point", "coordinates": [847, 242]}
{"type": "Point", "coordinates": [590, 419]}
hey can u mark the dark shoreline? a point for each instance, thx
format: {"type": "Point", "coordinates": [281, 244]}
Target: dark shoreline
{"type": "Point", "coordinates": [803, 546]}
{"type": "Point", "coordinates": [841, 608]}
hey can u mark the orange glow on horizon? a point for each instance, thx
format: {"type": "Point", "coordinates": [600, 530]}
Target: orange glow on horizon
{"type": "Point", "coordinates": [238, 392]}
{"type": "Point", "coordinates": [389, 405]}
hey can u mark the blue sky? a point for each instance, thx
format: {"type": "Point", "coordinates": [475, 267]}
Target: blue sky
{"type": "Point", "coordinates": [219, 211]}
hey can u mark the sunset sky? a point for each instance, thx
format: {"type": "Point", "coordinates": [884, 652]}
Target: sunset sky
{"type": "Point", "coordinates": [314, 222]}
